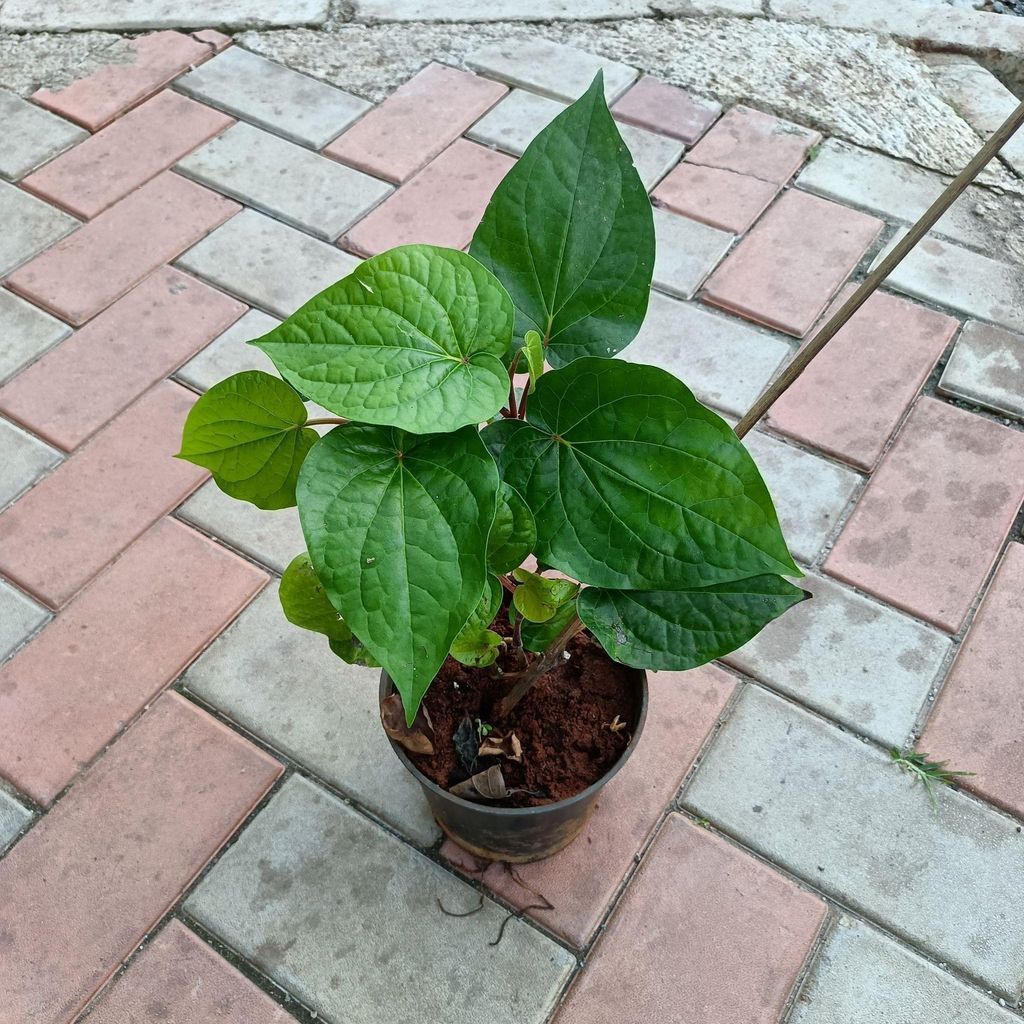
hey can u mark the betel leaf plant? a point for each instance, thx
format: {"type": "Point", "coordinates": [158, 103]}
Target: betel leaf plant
{"type": "Point", "coordinates": [463, 479]}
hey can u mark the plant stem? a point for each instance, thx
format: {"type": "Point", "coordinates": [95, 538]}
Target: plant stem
{"type": "Point", "coordinates": [336, 420]}
{"type": "Point", "coordinates": [535, 671]}
{"type": "Point", "coordinates": [882, 271]}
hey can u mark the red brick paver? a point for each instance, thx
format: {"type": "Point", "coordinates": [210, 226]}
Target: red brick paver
{"type": "Point", "coordinates": [666, 109]}
{"type": "Point", "coordinates": [787, 269]}
{"type": "Point", "coordinates": [582, 880]}
{"type": "Point", "coordinates": [178, 979]}
{"type": "Point", "coordinates": [932, 520]}
{"type": "Point", "coordinates": [416, 122]}
{"type": "Point", "coordinates": [441, 205]}
{"type": "Point", "coordinates": [978, 723]}
{"type": "Point", "coordinates": [855, 392]}
{"type": "Point", "coordinates": [112, 650]}
{"type": "Point", "coordinates": [757, 144]}
{"type": "Point", "coordinates": [63, 531]}
{"type": "Point", "coordinates": [94, 101]}
{"type": "Point", "coordinates": [75, 388]}
{"type": "Point", "coordinates": [100, 171]}
{"type": "Point", "coordinates": [705, 934]}
{"type": "Point", "coordinates": [723, 199]}
{"type": "Point", "coordinates": [98, 263]}
{"type": "Point", "coordinates": [84, 886]}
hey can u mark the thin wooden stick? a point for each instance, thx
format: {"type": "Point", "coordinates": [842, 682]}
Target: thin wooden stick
{"type": "Point", "coordinates": [953, 190]}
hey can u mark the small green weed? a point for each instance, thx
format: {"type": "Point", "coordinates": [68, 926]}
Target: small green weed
{"type": "Point", "coordinates": [927, 772]}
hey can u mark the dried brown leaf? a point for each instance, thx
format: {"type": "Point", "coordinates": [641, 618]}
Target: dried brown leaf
{"type": "Point", "coordinates": [496, 744]}
{"type": "Point", "coordinates": [418, 739]}
{"type": "Point", "coordinates": [488, 785]}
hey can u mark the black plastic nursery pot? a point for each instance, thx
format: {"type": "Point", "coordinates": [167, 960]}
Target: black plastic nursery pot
{"type": "Point", "coordinates": [517, 834]}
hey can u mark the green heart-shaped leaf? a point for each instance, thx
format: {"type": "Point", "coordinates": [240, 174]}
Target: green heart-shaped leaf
{"type": "Point", "coordinates": [537, 598]}
{"type": "Point", "coordinates": [570, 233]}
{"type": "Point", "coordinates": [538, 636]}
{"type": "Point", "coordinates": [476, 645]}
{"type": "Point", "coordinates": [681, 629]}
{"type": "Point", "coordinates": [633, 484]}
{"type": "Point", "coordinates": [305, 604]}
{"type": "Point", "coordinates": [248, 432]}
{"type": "Point", "coordinates": [396, 526]}
{"type": "Point", "coordinates": [412, 338]}
{"type": "Point", "coordinates": [513, 534]}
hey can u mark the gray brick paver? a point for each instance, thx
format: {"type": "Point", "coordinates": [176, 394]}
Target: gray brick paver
{"type": "Point", "coordinates": [724, 362]}
{"type": "Point", "coordinates": [267, 263]}
{"type": "Point", "coordinates": [273, 97]}
{"type": "Point", "coordinates": [553, 69]}
{"type": "Point", "coordinates": [347, 917]}
{"type": "Point", "coordinates": [287, 181]}
{"type": "Point", "coordinates": [284, 685]}
{"type": "Point", "coordinates": [13, 817]}
{"type": "Point", "coordinates": [27, 332]}
{"type": "Point", "coordinates": [228, 353]}
{"type": "Point", "coordinates": [860, 662]}
{"type": "Point", "coordinates": [29, 226]}
{"type": "Point", "coordinates": [865, 977]}
{"type": "Point", "coordinates": [687, 253]}
{"type": "Point", "coordinates": [835, 811]}
{"type": "Point", "coordinates": [987, 368]}
{"type": "Point", "coordinates": [20, 616]}
{"type": "Point", "coordinates": [32, 135]}
{"type": "Point", "coordinates": [25, 459]}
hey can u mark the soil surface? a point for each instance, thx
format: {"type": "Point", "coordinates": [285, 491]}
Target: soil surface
{"type": "Point", "coordinates": [562, 722]}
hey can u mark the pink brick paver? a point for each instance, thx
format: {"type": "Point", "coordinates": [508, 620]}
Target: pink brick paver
{"type": "Point", "coordinates": [853, 395]}
{"type": "Point", "coordinates": [103, 259]}
{"type": "Point", "coordinates": [705, 934]}
{"type": "Point", "coordinates": [85, 885]}
{"type": "Point", "coordinates": [723, 199]}
{"type": "Point", "coordinates": [790, 265]}
{"type": "Point", "coordinates": [62, 532]}
{"type": "Point", "coordinates": [178, 979]}
{"type": "Point", "coordinates": [978, 722]}
{"type": "Point", "coordinates": [94, 101]}
{"type": "Point", "coordinates": [666, 109]}
{"type": "Point", "coordinates": [124, 638]}
{"type": "Point", "coordinates": [757, 144]}
{"type": "Point", "coordinates": [441, 205]}
{"type": "Point", "coordinates": [97, 173]}
{"type": "Point", "coordinates": [416, 122]}
{"type": "Point", "coordinates": [934, 516]}
{"type": "Point", "coordinates": [582, 880]}
{"type": "Point", "coordinates": [75, 388]}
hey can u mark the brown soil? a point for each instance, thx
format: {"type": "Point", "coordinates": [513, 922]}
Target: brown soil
{"type": "Point", "coordinates": [562, 722]}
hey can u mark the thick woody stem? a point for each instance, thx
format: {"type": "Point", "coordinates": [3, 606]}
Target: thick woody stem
{"type": "Point", "coordinates": [537, 670]}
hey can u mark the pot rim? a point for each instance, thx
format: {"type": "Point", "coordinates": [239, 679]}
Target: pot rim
{"type": "Point", "coordinates": [387, 686]}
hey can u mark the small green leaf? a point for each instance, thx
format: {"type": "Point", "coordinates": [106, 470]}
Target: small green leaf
{"type": "Point", "coordinates": [633, 484]}
{"type": "Point", "coordinates": [570, 233]}
{"type": "Point", "coordinates": [513, 534]}
{"type": "Point", "coordinates": [476, 645]}
{"type": "Point", "coordinates": [413, 338]}
{"type": "Point", "coordinates": [478, 649]}
{"type": "Point", "coordinates": [537, 636]}
{"type": "Point", "coordinates": [248, 432]}
{"type": "Point", "coordinates": [539, 598]}
{"type": "Point", "coordinates": [533, 349]}
{"type": "Point", "coordinates": [396, 526]}
{"type": "Point", "coordinates": [681, 629]}
{"type": "Point", "coordinates": [305, 604]}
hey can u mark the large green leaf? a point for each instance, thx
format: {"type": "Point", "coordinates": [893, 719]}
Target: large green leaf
{"type": "Point", "coordinates": [569, 232]}
{"type": "Point", "coordinates": [634, 484]}
{"type": "Point", "coordinates": [412, 338]}
{"type": "Point", "coordinates": [248, 432]}
{"type": "Point", "coordinates": [306, 604]}
{"type": "Point", "coordinates": [396, 526]}
{"type": "Point", "coordinates": [681, 629]}
{"type": "Point", "coordinates": [513, 534]}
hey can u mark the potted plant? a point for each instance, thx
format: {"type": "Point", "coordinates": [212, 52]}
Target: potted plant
{"type": "Point", "coordinates": [515, 557]}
